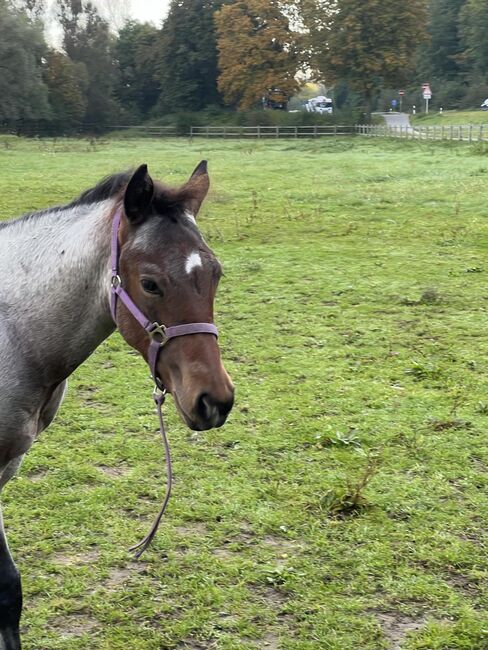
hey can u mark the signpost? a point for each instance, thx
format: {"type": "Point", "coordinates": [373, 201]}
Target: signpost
{"type": "Point", "coordinates": [426, 94]}
{"type": "Point", "coordinates": [402, 94]}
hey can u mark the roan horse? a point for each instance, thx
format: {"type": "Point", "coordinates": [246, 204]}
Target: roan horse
{"type": "Point", "coordinates": [54, 312]}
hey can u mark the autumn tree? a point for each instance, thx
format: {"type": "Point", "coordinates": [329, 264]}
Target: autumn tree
{"type": "Point", "coordinates": [370, 44]}
{"type": "Point", "coordinates": [256, 51]}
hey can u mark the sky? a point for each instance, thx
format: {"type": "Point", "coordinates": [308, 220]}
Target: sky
{"type": "Point", "coordinates": [152, 11]}
{"type": "Point", "coordinates": [149, 10]}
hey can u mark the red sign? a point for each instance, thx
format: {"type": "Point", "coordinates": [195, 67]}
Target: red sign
{"type": "Point", "coordinates": [401, 92]}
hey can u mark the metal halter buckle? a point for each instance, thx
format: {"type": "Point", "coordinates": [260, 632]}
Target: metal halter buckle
{"type": "Point", "coordinates": [115, 281]}
{"type": "Point", "coordinates": [159, 394]}
{"type": "Point", "coordinates": [158, 333]}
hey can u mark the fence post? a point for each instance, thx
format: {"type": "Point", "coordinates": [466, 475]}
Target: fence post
{"type": "Point", "coordinates": [315, 131]}
{"type": "Point", "coordinates": [277, 131]}
{"type": "Point", "coordinates": [259, 132]}
{"type": "Point", "coordinates": [460, 132]}
{"type": "Point", "coordinates": [335, 129]}
{"type": "Point", "coordinates": [470, 133]}
{"type": "Point", "coordinates": [481, 133]}
{"type": "Point", "coordinates": [296, 132]}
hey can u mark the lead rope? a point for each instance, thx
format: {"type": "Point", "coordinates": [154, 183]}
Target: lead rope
{"type": "Point", "coordinates": [159, 335]}
{"type": "Point", "coordinates": [138, 549]}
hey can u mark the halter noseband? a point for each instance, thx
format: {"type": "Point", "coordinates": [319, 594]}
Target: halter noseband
{"type": "Point", "coordinates": [159, 335]}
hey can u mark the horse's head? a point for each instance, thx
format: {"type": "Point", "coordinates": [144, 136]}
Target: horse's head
{"type": "Point", "coordinates": [172, 276]}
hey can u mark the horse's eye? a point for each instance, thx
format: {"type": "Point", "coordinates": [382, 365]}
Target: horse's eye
{"type": "Point", "coordinates": [150, 286]}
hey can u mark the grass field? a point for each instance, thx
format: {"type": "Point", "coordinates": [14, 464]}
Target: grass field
{"type": "Point", "coordinates": [450, 117]}
{"type": "Point", "coordinates": [344, 506]}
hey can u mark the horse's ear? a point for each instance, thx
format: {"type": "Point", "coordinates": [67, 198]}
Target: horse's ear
{"type": "Point", "coordinates": [138, 195]}
{"type": "Point", "coordinates": [196, 188]}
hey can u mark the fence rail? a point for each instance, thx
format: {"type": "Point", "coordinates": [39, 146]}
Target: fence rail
{"type": "Point", "coordinates": [259, 132]}
{"type": "Point", "coordinates": [460, 133]}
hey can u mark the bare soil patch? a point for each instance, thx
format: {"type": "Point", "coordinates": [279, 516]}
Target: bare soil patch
{"type": "Point", "coordinates": [396, 626]}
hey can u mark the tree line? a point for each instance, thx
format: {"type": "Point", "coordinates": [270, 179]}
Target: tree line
{"type": "Point", "coordinates": [225, 54]}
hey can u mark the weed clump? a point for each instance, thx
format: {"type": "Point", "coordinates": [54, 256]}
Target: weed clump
{"type": "Point", "coordinates": [349, 499]}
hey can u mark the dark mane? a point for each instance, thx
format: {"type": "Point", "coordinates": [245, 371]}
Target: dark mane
{"type": "Point", "coordinates": [105, 189]}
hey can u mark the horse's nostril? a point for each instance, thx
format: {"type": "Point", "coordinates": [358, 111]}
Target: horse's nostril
{"type": "Point", "coordinates": [212, 411]}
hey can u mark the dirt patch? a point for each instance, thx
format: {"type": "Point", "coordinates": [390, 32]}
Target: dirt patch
{"type": "Point", "coordinates": [65, 559]}
{"type": "Point", "coordinates": [120, 575]}
{"type": "Point", "coordinates": [463, 584]}
{"type": "Point", "coordinates": [74, 625]}
{"type": "Point", "coordinates": [270, 641]}
{"type": "Point", "coordinates": [192, 529]}
{"type": "Point", "coordinates": [396, 626]}
{"type": "Point", "coordinates": [223, 553]}
{"type": "Point", "coordinates": [281, 545]}
{"type": "Point", "coordinates": [113, 472]}
{"type": "Point", "coordinates": [190, 644]}
{"type": "Point", "coordinates": [38, 476]}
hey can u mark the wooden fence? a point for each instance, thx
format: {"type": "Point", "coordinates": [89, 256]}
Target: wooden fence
{"type": "Point", "coordinates": [260, 132]}
{"type": "Point", "coordinates": [461, 133]}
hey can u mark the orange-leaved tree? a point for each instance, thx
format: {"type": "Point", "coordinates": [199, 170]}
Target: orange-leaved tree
{"type": "Point", "coordinates": [256, 51]}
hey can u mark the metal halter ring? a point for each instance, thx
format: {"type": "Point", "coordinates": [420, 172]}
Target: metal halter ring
{"type": "Point", "coordinates": [158, 333]}
{"type": "Point", "coordinates": [115, 281]}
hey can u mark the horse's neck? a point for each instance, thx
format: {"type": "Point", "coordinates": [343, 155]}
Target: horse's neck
{"type": "Point", "coordinates": [54, 301]}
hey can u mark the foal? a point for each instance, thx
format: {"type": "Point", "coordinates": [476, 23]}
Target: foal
{"type": "Point", "coordinates": [54, 312]}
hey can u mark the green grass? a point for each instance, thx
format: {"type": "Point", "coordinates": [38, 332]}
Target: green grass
{"type": "Point", "coordinates": [344, 505]}
{"type": "Point", "coordinates": [449, 118]}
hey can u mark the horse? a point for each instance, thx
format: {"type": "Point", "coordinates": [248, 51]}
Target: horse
{"type": "Point", "coordinates": [56, 290]}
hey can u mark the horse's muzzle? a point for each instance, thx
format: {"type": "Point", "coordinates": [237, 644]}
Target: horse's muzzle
{"type": "Point", "coordinates": [211, 412]}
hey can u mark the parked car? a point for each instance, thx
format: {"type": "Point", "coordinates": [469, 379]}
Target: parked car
{"type": "Point", "coordinates": [484, 105]}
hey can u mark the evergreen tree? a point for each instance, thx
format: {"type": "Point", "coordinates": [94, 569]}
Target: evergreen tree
{"type": "Point", "coordinates": [23, 94]}
{"type": "Point", "coordinates": [188, 56]}
{"type": "Point", "coordinates": [474, 33]}
{"type": "Point", "coordinates": [136, 52]}
{"type": "Point", "coordinates": [445, 43]}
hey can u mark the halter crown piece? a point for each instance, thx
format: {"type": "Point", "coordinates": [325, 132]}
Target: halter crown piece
{"type": "Point", "coordinates": [159, 335]}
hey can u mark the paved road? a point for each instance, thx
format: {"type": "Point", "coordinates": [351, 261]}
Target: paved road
{"type": "Point", "coordinates": [397, 119]}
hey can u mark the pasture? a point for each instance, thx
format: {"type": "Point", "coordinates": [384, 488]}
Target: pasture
{"type": "Point", "coordinates": [450, 117]}
{"type": "Point", "coordinates": [344, 506]}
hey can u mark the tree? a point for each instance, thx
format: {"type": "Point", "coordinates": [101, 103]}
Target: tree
{"type": "Point", "coordinates": [188, 56]}
{"type": "Point", "coordinates": [474, 30]}
{"type": "Point", "coordinates": [370, 43]}
{"type": "Point", "coordinates": [23, 95]}
{"type": "Point", "coordinates": [440, 56]}
{"type": "Point", "coordinates": [137, 56]}
{"type": "Point", "coordinates": [256, 51]}
{"type": "Point", "coordinates": [87, 40]}
{"type": "Point", "coordinates": [66, 82]}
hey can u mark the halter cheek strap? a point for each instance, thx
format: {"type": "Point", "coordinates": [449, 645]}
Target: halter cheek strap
{"type": "Point", "coordinates": [159, 336]}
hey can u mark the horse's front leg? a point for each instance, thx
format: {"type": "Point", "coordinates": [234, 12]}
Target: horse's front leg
{"type": "Point", "coordinates": [10, 585]}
